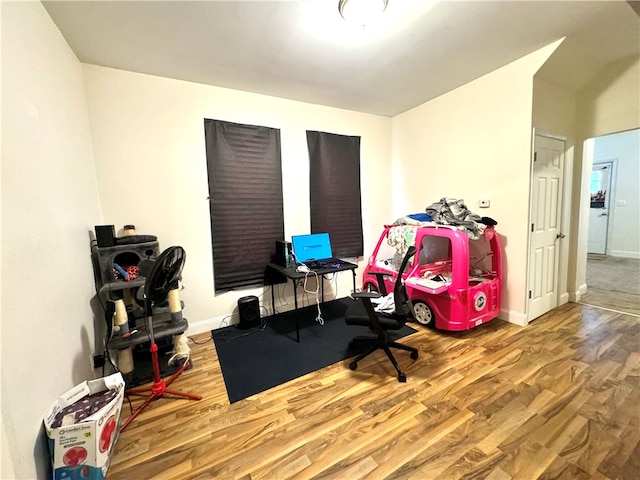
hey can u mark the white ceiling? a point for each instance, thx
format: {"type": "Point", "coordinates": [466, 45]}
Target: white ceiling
{"type": "Point", "coordinates": [304, 50]}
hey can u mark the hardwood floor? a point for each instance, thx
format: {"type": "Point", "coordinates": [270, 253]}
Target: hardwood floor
{"type": "Point", "coordinates": [557, 399]}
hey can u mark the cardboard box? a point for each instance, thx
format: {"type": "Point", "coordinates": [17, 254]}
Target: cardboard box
{"type": "Point", "coordinates": [82, 449]}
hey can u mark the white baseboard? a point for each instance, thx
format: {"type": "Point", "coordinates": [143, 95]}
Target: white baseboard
{"type": "Point", "coordinates": [582, 289]}
{"type": "Point", "coordinates": [516, 318]}
{"type": "Point", "coordinates": [564, 298]}
{"type": "Point", "coordinates": [621, 253]}
{"type": "Point", "coordinates": [222, 321]}
{"type": "Point", "coordinates": [209, 324]}
{"type": "Point", "coordinates": [577, 295]}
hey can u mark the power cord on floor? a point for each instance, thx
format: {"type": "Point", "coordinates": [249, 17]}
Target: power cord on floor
{"type": "Point", "coordinates": [319, 318]}
{"type": "Point", "coordinates": [198, 343]}
{"type": "Point", "coordinates": [263, 325]}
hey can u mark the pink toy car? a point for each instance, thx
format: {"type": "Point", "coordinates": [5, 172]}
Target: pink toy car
{"type": "Point", "coordinates": [453, 282]}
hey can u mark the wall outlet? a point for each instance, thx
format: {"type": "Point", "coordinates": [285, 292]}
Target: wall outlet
{"type": "Point", "coordinates": [484, 203]}
{"type": "Point", "coordinates": [98, 361]}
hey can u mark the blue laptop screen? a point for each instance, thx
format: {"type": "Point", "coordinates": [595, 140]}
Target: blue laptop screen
{"type": "Point", "coordinates": [311, 247]}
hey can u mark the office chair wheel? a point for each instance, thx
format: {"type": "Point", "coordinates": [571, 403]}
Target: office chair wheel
{"type": "Point", "coordinates": [353, 365]}
{"type": "Point", "coordinates": [414, 355]}
{"type": "Point", "coordinates": [402, 377]}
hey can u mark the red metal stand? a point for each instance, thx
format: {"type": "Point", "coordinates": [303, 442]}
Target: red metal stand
{"type": "Point", "coordinates": [159, 387]}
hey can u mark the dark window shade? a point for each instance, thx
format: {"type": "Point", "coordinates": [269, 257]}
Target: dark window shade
{"type": "Point", "coordinates": [334, 175]}
{"type": "Point", "coordinates": [245, 192]}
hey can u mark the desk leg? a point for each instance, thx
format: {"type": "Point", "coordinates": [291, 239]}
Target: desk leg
{"type": "Point", "coordinates": [322, 286]}
{"type": "Point", "coordinates": [295, 312]}
{"type": "Point", "coordinates": [273, 301]}
{"type": "Point", "coordinates": [354, 280]}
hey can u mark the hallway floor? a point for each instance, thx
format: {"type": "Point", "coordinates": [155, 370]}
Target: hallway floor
{"type": "Point", "coordinates": [613, 283]}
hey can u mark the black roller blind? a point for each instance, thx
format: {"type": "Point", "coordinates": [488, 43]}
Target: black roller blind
{"type": "Point", "coordinates": [246, 206]}
{"type": "Point", "coordinates": [334, 181]}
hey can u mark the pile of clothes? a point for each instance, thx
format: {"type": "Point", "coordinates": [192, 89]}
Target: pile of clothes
{"type": "Point", "coordinates": [451, 211]}
{"type": "Point", "coordinates": [448, 211]}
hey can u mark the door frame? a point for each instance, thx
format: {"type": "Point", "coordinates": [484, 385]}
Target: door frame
{"type": "Point", "coordinates": [565, 218]}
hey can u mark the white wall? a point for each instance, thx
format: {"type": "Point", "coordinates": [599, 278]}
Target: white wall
{"type": "Point", "coordinates": [554, 109]}
{"type": "Point", "coordinates": [473, 143]}
{"type": "Point", "coordinates": [49, 203]}
{"type": "Point", "coordinates": [554, 113]}
{"type": "Point", "coordinates": [624, 208]}
{"type": "Point", "coordinates": [609, 104]}
{"type": "Point", "coordinates": [148, 139]}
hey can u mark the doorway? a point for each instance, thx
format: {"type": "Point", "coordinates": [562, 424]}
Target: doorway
{"type": "Point", "coordinates": [601, 194]}
{"type": "Point", "coordinates": [613, 243]}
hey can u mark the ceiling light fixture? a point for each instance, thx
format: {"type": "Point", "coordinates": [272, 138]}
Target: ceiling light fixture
{"type": "Point", "coordinates": [361, 12]}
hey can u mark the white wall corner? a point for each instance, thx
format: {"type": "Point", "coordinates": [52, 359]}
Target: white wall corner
{"type": "Point", "coordinates": [546, 52]}
{"type": "Point", "coordinates": [516, 318]}
{"type": "Point", "coordinates": [577, 295]}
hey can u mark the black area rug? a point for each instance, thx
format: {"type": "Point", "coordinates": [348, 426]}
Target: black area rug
{"type": "Point", "coordinates": [258, 359]}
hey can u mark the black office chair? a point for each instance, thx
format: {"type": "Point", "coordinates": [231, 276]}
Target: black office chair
{"type": "Point", "coordinates": [362, 313]}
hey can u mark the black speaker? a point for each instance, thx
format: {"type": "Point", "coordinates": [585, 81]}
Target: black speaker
{"type": "Point", "coordinates": [249, 312]}
{"type": "Point", "coordinates": [105, 235]}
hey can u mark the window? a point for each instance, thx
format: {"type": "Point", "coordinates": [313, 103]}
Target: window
{"type": "Point", "coordinates": [246, 206]}
{"type": "Point", "coordinates": [334, 175]}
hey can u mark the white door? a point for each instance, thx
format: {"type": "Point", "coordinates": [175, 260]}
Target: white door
{"type": "Point", "coordinates": [546, 209]}
{"type": "Point", "coordinates": [599, 212]}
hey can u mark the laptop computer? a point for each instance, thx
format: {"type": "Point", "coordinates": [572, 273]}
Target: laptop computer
{"type": "Point", "coordinates": [314, 250]}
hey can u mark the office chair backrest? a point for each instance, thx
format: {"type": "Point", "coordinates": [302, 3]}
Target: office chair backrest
{"type": "Point", "coordinates": [400, 297]}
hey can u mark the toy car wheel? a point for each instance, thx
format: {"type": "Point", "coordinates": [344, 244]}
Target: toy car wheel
{"type": "Point", "coordinates": [424, 314]}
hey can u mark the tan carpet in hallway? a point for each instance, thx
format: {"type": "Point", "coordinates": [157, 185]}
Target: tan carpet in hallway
{"type": "Point", "coordinates": [613, 283]}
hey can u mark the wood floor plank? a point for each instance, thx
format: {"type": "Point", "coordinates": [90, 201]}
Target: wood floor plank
{"type": "Point", "coordinates": [364, 455]}
{"type": "Point", "coordinates": [473, 464]}
{"type": "Point", "coordinates": [532, 461]}
{"type": "Point", "coordinates": [394, 459]}
{"type": "Point", "coordinates": [557, 399]}
{"type": "Point", "coordinates": [431, 462]}
{"type": "Point", "coordinates": [371, 428]}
